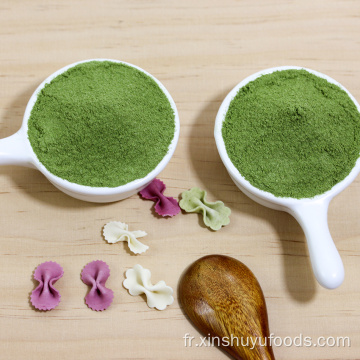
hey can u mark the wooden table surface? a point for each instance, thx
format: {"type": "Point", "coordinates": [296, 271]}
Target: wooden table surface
{"type": "Point", "coordinates": [199, 50]}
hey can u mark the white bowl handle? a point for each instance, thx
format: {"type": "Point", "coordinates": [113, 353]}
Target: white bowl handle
{"type": "Point", "coordinates": [15, 151]}
{"type": "Point", "coordinates": [325, 259]}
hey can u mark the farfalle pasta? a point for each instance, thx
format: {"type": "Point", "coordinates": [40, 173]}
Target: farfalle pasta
{"type": "Point", "coordinates": [215, 214]}
{"type": "Point", "coordinates": [45, 296]}
{"type": "Point", "coordinates": [95, 275]}
{"type": "Point", "coordinates": [138, 282]}
{"type": "Point", "coordinates": [116, 231]}
{"type": "Point", "coordinates": [164, 205]}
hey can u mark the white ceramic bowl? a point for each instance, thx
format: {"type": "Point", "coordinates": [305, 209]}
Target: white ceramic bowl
{"type": "Point", "coordinates": [16, 150]}
{"type": "Point", "coordinates": [310, 213]}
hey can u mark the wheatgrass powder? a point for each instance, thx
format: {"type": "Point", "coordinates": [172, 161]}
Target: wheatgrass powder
{"type": "Point", "coordinates": [292, 133]}
{"type": "Point", "coordinates": [101, 124]}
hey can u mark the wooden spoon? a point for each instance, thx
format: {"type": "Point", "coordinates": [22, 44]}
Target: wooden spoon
{"type": "Point", "coordinates": [223, 299]}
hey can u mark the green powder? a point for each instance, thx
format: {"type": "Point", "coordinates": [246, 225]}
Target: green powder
{"type": "Point", "coordinates": [292, 133]}
{"type": "Point", "coordinates": [101, 124]}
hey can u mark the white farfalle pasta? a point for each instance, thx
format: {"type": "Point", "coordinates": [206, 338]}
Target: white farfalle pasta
{"type": "Point", "coordinates": [115, 231]}
{"type": "Point", "coordinates": [138, 282]}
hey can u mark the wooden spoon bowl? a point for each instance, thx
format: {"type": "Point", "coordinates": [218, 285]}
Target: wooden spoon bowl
{"type": "Point", "coordinates": [224, 300]}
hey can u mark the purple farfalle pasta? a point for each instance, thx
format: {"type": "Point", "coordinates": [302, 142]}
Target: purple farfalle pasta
{"type": "Point", "coordinates": [165, 205]}
{"type": "Point", "coordinates": [95, 275]}
{"type": "Point", "coordinates": [45, 296]}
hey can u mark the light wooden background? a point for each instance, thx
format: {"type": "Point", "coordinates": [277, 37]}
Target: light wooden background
{"type": "Point", "coordinates": [200, 50]}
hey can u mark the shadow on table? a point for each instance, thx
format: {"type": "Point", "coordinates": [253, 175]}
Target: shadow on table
{"type": "Point", "coordinates": [31, 183]}
{"type": "Point", "coordinates": [212, 175]}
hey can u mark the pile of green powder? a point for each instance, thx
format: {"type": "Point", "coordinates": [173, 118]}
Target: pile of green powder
{"type": "Point", "coordinates": [292, 133]}
{"type": "Point", "coordinates": [101, 124]}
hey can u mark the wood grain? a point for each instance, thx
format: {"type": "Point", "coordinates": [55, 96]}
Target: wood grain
{"type": "Point", "coordinates": [223, 299]}
{"type": "Point", "coordinates": [199, 50]}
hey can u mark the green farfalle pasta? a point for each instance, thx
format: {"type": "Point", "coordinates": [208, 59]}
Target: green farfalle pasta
{"type": "Point", "coordinates": [215, 214]}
